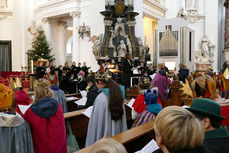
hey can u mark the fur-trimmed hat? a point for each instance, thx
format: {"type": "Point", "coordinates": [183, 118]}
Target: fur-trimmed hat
{"type": "Point", "coordinates": [151, 97]}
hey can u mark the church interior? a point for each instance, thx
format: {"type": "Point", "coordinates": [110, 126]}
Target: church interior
{"type": "Point", "coordinates": [114, 76]}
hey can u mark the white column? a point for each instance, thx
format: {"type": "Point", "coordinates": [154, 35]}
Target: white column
{"type": "Point", "coordinates": [47, 28]}
{"type": "Point", "coordinates": [76, 38]}
{"type": "Point", "coordinates": [60, 59]}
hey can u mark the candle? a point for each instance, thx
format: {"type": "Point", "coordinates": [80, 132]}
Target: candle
{"type": "Point", "coordinates": [32, 66]}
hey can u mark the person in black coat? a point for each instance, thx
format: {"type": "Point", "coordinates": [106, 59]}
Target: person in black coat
{"type": "Point", "coordinates": [183, 73]}
{"type": "Point", "coordinates": [40, 71]}
{"type": "Point", "coordinates": [92, 92]}
{"type": "Point", "coordinates": [126, 70]}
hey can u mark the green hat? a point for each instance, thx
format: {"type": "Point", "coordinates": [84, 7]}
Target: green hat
{"type": "Point", "coordinates": [206, 107]}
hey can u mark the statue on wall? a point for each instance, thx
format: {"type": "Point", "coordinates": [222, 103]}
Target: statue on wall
{"type": "Point", "coordinates": [33, 29]}
{"type": "Point", "coordinates": [147, 54]}
{"type": "Point", "coordinates": [131, 3]}
{"type": "Point", "coordinates": [108, 2]}
{"type": "Point", "coordinates": [141, 47]}
{"type": "Point", "coordinates": [119, 29]}
{"type": "Point", "coordinates": [97, 41]}
{"type": "Point", "coordinates": [191, 5]}
{"type": "Point", "coordinates": [3, 4]}
{"type": "Point", "coordinates": [129, 45]}
{"type": "Point", "coordinates": [205, 53]}
{"type": "Point", "coordinates": [121, 49]}
{"type": "Point", "coordinates": [119, 36]}
{"type": "Point", "coordinates": [181, 14]}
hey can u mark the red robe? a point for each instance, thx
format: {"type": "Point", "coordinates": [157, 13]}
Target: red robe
{"type": "Point", "coordinates": [49, 134]}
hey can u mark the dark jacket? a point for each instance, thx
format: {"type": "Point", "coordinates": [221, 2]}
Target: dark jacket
{"type": "Point", "coordinates": [126, 69]}
{"type": "Point", "coordinates": [183, 74]}
{"type": "Point", "coordinates": [201, 149]}
{"type": "Point", "coordinates": [127, 66]}
{"type": "Point", "coordinates": [217, 141]}
{"type": "Point", "coordinates": [40, 72]}
{"type": "Point", "coordinates": [91, 96]}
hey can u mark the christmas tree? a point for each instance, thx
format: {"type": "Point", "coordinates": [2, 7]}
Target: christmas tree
{"type": "Point", "coordinates": [40, 47]}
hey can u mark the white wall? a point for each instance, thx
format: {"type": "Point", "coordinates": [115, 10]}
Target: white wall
{"type": "Point", "coordinates": [139, 28]}
{"type": "Point", "coordinates": [211, 27]}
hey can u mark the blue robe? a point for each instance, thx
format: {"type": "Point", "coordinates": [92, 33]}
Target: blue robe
{"type": "Point", "coordinates": [101, 124]}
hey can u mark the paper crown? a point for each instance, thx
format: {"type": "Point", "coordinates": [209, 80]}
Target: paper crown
{"type": "Point", "coordinates": [143, 80]}
{"type": "Point", "coordinates": [102, 76]}
{"type": "Point", "coordinates": [14, 85]}
{"type": "Point", "coordinates": [53, 79]}
{"type": "Point", "coordinates": [41, 83]}
{"type": "Point", "coordinates": [6, 97]}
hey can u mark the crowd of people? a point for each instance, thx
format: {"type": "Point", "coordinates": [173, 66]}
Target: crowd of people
{"type": "Point", "coordinates": [71, 79]}
{"type": "Point", "coordinates": [195, 129]}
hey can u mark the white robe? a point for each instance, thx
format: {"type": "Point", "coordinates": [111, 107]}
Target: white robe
{"type": "Point", "coordinates": [101, 124]}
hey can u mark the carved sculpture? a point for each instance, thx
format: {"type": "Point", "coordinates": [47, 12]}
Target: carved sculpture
{"type": "Point", "coordinates": [141, 47]}
{"type": "Point", "coordinates": [119, 29]}
{"type": "Point", "coordinates": [108, 2]}
{"type": "Point", "coordinates": [119, 21]}
{"type": "Point", "coordinates": [192, 15]}
{"type": "Point", "coordinates": [147, 54]}
{"type": "Point", "coordinates": [96, 40]}
{"type": "Point", "coordinates": [121, 49]}
{"type": "Point", "coordinates": [3, 4]}
{"type": "Point", "coordinates": [191, 5]}
{"type": "Point", "coordinates": [205, 53]}
{"type": "Point", "coordinates": [33, 29]}
{"type": "Point", "coordinates": [181, 14]}
{"type": "Point", "coordinates": [129, 45]}
{"type": "Point", "coordinates": [131, 3]}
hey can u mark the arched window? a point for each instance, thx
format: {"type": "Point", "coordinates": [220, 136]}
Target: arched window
{"type": "Point", "coordinates": [69, 50]}
{"type": "Point", "coordinates": [69, 46]}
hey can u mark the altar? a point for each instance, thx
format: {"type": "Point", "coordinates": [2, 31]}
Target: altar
{"type": "Point", "coordinates": [119, 36]}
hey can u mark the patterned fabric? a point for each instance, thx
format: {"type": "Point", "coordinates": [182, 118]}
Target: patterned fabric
{"type": "Point", "coordinates": [143, 118]}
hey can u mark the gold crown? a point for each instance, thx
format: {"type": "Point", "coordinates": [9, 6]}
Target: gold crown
{"type": "Point", "coordinates": [6, 97]}
{"type": "Point", "coordinates": [41, 83]}
{"type": "Point", "coordinates": [102, 76]}
{"type": "Point", "coordinates": [143, 80]}
{"type": "Point", "coordinates": [14, 85]}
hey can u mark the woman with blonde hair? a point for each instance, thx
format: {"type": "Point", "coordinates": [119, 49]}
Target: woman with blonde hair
{"type": "Point", "coordinates": [108, 145]}
{"type": "Point", "coordinates": [178, 131]}
{"type": "Point", "coordinates": [46, 120]}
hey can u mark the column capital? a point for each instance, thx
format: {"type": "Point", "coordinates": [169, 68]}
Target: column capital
{"type": "Point", "coordinates": [46, 20]}
{"type": "Point", "coordinates": [75, 14]}
{"type": "Point", "coordinates": [63, 23]}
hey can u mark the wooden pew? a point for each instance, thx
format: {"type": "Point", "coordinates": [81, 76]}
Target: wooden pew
{"type": "Point", "coordinates": [73, 95]}
{"type": "Point", "coordinates": [79, 122]}
{"type": "Point", "coordinates": [71, 106]}
{"type": "Point", "coordinates": [129, 137]}
{"type": "Point", "coordinates": [176, 98]}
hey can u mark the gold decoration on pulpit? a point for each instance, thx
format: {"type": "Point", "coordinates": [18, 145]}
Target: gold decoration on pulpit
{"type": "Point", "coordinates": [186, 89]}
{"type": "Point", "coordinates": [211, 87]}
{"type": "Point", "coordinates": [40, 60]}
{"type": "Point", "coordinates": [119, 7]}
{"type": "Point", "coordinates": [12, 84]}
{"type": "Point", "coordinates": [226, 74]}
